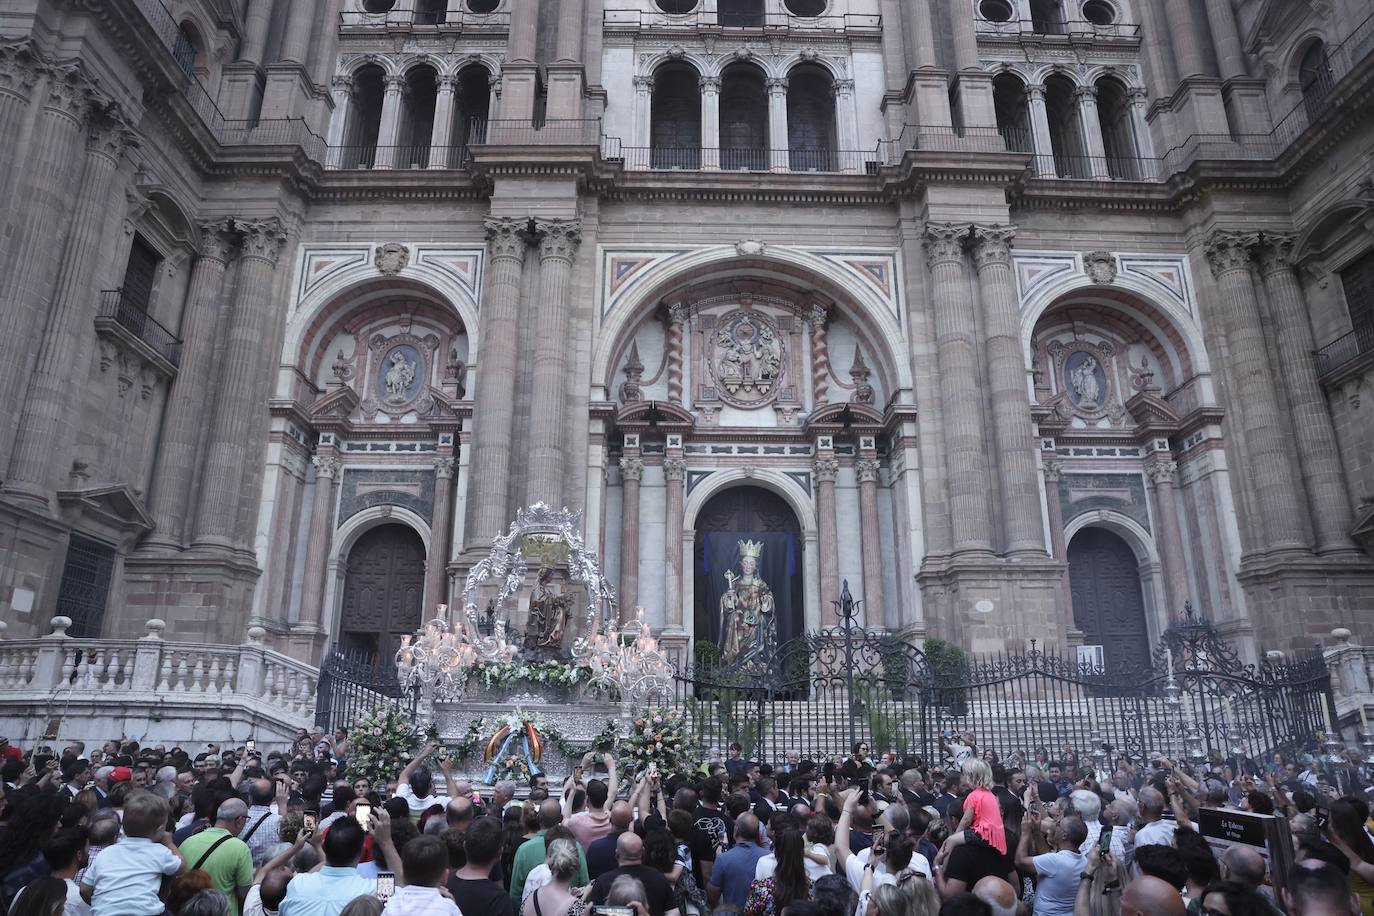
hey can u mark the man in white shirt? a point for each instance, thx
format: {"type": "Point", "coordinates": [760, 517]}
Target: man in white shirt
{"type": "Point", "coordinates": [65, 853]}
{"type": "Point", "coordinates": [327, 891]}
{"type": "Point", "coordinates": [1155, 829]}
{"type": "Point", "coordinates": [425, 860]}
{"type": "Point", "coordinates": [1056, 872]}
{"type": "Point", "coordinates": [416, 783]}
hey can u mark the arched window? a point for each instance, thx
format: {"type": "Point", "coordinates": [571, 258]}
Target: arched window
{"type": "Point", "coordinates": [1315, 79]}
{"type": "Point", "coordinates": [675, 118]}
{"type": "Point", "coordinates": [473, 109]}
{"type": "Point", "coordinates": [430, 12]}
{"type": "Point", "coordinates": [365, 122]}
{"type": "Point", "coordinates": [190, 49]}
{"type": "Point", "coordinates": [743, 118]}
{"type": "Point", "coordinates": [1013, 115]}
{"type": "Point", "coordinates": [1118, 131]}
{"type": "Point", "coordinates": [1066, 132]}
{"type": "Point", "coordinates": [1047, 17]}
{"type": "Point", "coordinates": [745, 14]}
{"type": "Point", "coordinates": [811, 142]}
{"type": "Point", "coordinates": [417, 119]}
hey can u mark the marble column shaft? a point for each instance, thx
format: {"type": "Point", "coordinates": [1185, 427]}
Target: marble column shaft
{"type": "Point", "coordinates": [1185, 35]}
{"type": "Point", "coordinates": [568, 41]}
{"type": "Point", "coordinates": [960, 388]}
{"type": "Point", "coordinates": [676, 317]}
{"type": "Point", "coordinates": [524, 28]}
{"type": "Point", "coordinates": [317, 546]}
{"type": "Point", "coordinates": [1318, 455]}
{"type": "Point", "coordinates": [826, 467]}
{"type": "Point", "coordinates": [921, 32]}
{"type": "Point", "coordinates": [242, 389]}
{"type": "Point", "coordinates": [710, 122]}
{"type": "Point", "coordinates": [778, 140]}
{"type": "Point", "coordinates": [674, 474]}
{"type": "Point", "coordinates": [295, 45]}
{"type": "Point", "coordinates": [388, 131]}
{"type": "Point", "coordinates": [436, 564]}
{"type": "Point", "coordinates": [1221, 21]}
{"type": "Point", "coordinates": [1162, 475]}
{"type": "Point", "coordinates": [74, 302]}
{"type": "Point", "coordinates": [185, 413]}
{"type": "Point", "coordinates": [631, 472]}
{"type": "Point", "coordinates": [258, 24]}
{"type": "Point", "coordinates": [1269, 471]}
{"type": "Point", "coordinates": [1013, 430]}
{"type": "Point", "coordinates": [820, 358]}
{"type": "Point", "coordinates": [441, 134]}
{"type": "Point", "coordinates": [20, 70]}
{"type": "Point", "coordinates": [875, 604]}
{"type": "Point", "coordinates": [965, 43]}
{"type": "Point", "coordinates": [495, 382]}
{"type": "Point", "coordinates": [558, 241]}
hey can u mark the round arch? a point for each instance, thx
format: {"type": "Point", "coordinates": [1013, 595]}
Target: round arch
{"type": "Point", "coordinates": [797, 499]}
{"type": "Point", "coordinates": [1330, 221]}
{"type": "Point", "coordinates": [1142, 544]}
{"type": "Point", "coordinates": [791, 266]}
{"type": "Point", "coordinates": [345, 536]}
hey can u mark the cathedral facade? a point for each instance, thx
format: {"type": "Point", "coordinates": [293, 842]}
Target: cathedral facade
{"type": "Point", "coordinates": [1024, 319]}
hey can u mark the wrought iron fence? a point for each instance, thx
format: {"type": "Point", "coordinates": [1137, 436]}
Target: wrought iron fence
{"type": "Point", "coordinates": [1344, 349]}
{"type": "Point", "coordinates": [120, 308]}
{"type": "Point", "coordinates": [354, 683]}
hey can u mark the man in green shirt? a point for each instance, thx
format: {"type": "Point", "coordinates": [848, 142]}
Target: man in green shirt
{"type": "Point", "coordinates": [530, 855]}
{"type": "Point", "coordinates": [221, 853]}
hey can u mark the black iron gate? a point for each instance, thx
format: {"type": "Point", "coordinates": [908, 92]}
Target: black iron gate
{"type": "Point", "coordinates": [354, 683]}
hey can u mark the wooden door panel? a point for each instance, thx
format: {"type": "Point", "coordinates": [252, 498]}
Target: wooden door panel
{"type": "Point", "coordinates": [1108, 605]}
{"type": "Point", "coordinates": [383, 590]}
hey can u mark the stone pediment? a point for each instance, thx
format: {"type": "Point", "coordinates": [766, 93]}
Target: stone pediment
{"type": "Point", "coordinates": [339, 404]}
{"type": "Point", "coordinates": [659, 414]}
{"type": "Point", "coordinates": [116, 511]}
{"type": "Point", "coordinates": [1152, 414]}
{"type": "Point", "coordinates": [842, 414]}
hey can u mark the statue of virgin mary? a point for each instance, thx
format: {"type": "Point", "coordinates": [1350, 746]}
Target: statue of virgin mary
{"type": "Point", "coordinates": [747, 623]}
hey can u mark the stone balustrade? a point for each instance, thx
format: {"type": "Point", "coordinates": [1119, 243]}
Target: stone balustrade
{"type": "Point", "coordinates": [1352, 674]}
{"type": "Point", "coordinates": [167, 692]}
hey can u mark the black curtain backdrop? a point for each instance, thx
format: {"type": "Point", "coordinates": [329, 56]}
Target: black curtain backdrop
{"type": "Point", "coordinates": [776, 566]}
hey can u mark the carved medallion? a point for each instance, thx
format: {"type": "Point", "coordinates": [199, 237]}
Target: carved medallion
{"type": "Point", "coordinates": [746, 358]}
{"type": "Point", "coordinates": [1085, 378]}
{"type": "Point", "coordinates": [392, 258]}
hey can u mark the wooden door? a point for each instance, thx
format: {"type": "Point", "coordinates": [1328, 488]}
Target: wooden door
{"type": "Point", "coordinates": [383, 589]}
{"type": "Point", "coordinates": [1108, 605]}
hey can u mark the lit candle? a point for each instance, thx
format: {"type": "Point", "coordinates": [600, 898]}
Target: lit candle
{"type": "Point", "coordinates": [1326, 713]}
{"type": "Point", "coordinates": [441, 610]}
{"type": "Point", "coordinates": [1364, 722]}
{"type": "Point", "coordinates": [1169, 663]}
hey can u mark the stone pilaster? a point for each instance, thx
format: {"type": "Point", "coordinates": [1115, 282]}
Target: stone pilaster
{"type": "Point", "coordinates": [674, 473]}
{"type": "Point", "coordinates": [319, 543]}
{"type": "Point", "coordinates": [1162, 474]}
{"type": "Point", "coordinates": [875, 604]}
{"type": "Point", "coordinates": [185, 412]}
{"type": "Point", "coordinates": [1013, 429]}
{"type": "Point", "coordinates": [826, 466]}
{"type": "Point", "coordinates": [1252, 389]}
{"type": "Point", "coordinates": [436, 564]}
{"type": "Point", "coordinates": [495, 381]}
{"type": "Point", "coordinates": [242, 389]}
{"type": "Point", "coordinates": [558, 241]}
{"type": "Point", "coordinates": [34, 460]}
{"type": "Point", "coordinates": [631, 473]}
{"type": "Point", "coordinates": [1318, 457]}
{"type": "Point", "coordinates": [960, 389]}
{"type": "Point", "coordinates": [1053, 469]}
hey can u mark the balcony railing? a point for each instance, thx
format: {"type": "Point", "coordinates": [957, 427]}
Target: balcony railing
{"type": "Point", "coordinates": [129, 315]}
{"type": "Point", "coordinates": [560, 132]}
{"type": "Point", "coordinates": [1077, 28]}
{"type": "Point", "coordinates": [1344, 349]}
{"type": "Point", "coordinates": [943, 138]}
{"type": "Point", "coordinates": [406, 16]}
{"type": "Point", "coordinates": [772, 22]}
{"type": "Point", "coordinates": [744, 159]}
{"type": "Point", "coordinates": [1099, 168]}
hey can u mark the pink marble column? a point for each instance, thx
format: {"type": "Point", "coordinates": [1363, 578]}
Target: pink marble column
{"type": "Point", "coordinates": [1162, 475]}
{"type": "Point", "coordinates": [1054, 469]}
{"type": "Point", "coordinates": [825, 467]}
{"type": "Point", "coordinates": [674, 473]}
{"type": "Point", "coordinates": [631, 472]}
{"type": "Point", "coordinates": [436, 564]}
{"type": "Point", "coordinates": [546, 459]}
{"type": "Point", "coordinates": [675, 318]}
{"type": "Point", "coordinates": [820, 359]}
{"type": "Point", "coordinates": [317, 547]}
{"type": "Point", "coordinates": [875, 608]}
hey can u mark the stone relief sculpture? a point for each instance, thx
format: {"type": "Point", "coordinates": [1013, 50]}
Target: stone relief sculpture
{"type": "Point", "coordinates": [747, 359]}
{"type": "Point", "coordinates": [400, 376]}
{"type": "Point", "coordinates": [1087, 391]}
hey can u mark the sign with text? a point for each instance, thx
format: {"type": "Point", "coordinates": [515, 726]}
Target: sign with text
{"type": "Point", "coordinates": [1266, 834]}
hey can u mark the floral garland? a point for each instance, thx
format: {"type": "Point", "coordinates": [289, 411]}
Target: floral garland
{"type": "Point", "coordinates": [380, 743]}
{"type": "Point", "coordinates": [482, 728]}
{"type": "Point", "coordinates": [545, 674]}
{"type": "Point", "coordinates": [659, 736]}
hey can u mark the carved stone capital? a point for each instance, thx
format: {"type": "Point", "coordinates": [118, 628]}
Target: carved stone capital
{"type": "Point", "coordinates": [1086, 93]}
{"type": "Point", "coordinates": [1275, 253]}
{"type": "Point", "coordinates": [675, 468]}
{"type": "Point", "coordinates": [632, 469]}
{"type": "Point", "coordinates": [1162, 472]}
{"type": "Point", "coordinates": [342, 83]}
{"type": "Point", "coordinates": [1054, 469]}
{"type": "Point", "coordinates": [1035, 92]}
{"type": "Point", "coordinates": [216, 240]}
{"type": "Point", "coordinates": [826, 468]}
{"type": "Point", "coordinates": [777, 85]}
{"type": "Point", "coordinates": [108, 134]}
{"type": "Point", "coordinates": [992, 245]}
{"type": "Point", "coordinates": [945, 242]}
{"type": "Point", "coordinates": [1228, 251]}
{"type": "Point", "coordinates": [326, 466]}
{"type": "Point", "coordinates": [443, 467]}
{"type": "Point", "coordinates": [20, 68]}
{"type": "Point", "coordinates": [505, 237]}
{"type": "Point", "coordinates": [558, 238]}
{"type": "Point", "coordinates": [71, 93]}
{"type": "Point", "coordinates": [643, 83]}
{"type": "Point", "coordinates": [262, 238]}
{"type": "Point", "coordinates": [396, 83]}
{"type": "Point", "coordinates": [867, 469]}
{"type": "Point", "coordinates": [709, 85]}
{"type": "Point", "coordinates": [677, 313]}
{"type": "Point", "coordinates": [842, 88]}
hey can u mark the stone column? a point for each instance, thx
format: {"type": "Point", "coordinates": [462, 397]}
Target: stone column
{"type": "Point", "coordinates": [825, 467]}
{"type": "Point", "coordinates": [1091, 127]}
{"type": "Point", "coordinates": [875, 605]}
{"type": "Point", "coordinates": [1040, 132]}
{"type": "Point", "coordinates": [242, 390]}
{"type": "Point", "coordinates": [186, 401]}
{"type": "Point", "coordinates": [1162, 474]}
{"type": "Point", "coordinates": [644, 108]}
{"type": "Point", "coordinates": [389, 130]}
{"type": "Point", "coordinates": [960, 388]}
{"type": "Point", "coordinates": [710, 122]}
{"type": "Point", "coordinates": [442, 134]}
{"type": "Point", "coordinates": [674, 473]}
{"type": "Point", "coordinates": [631, 473]}
{"type": "Point", "coordinates": [1053, 470]}
{"type": "Point", "coordinates": [1140, 131]}
{"type": "Point", "coordinates": [676, 317]}
{"type": "Point", "coordinates": [820, 358]}
{"type": "Point", "coordinates": [258, 23]}
{"type": "Point", "coordinates": [295, 43]}
{"type": "Point", "coordinates": [1186, 38]}
{"type": "Point", "coordinates": [1269, 473]}
{"type": "Point", "coordinates": [777, 123]}
{"type": "Point", "coordinates": [558, 241]}
{"type": "Point", "coordinates": [1013, 428]}
{"type": "Point", "coordinates": [846, 124]}
{"type": "Point", "coordinates": [319, 544]}
{"type": "Point", "coordinates": [1221, 18]}
{"type": "Point", "coordinates": [342, 89]}
{"type": "Point", "coordinates": [35, 460]}
{"type": "Point", "coordinates": [19, 72]}
{"type": "Point", "coordinates": [436, 564]}
{"type": "Point", "coordinates": [1316, 438]}
{"type": "Point", "coordinates": [921, 34]}
{"type": "Point", "coordinates": [495, 382]}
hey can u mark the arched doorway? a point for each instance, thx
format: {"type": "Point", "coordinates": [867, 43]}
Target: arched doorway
{"type": "Point", "coordinates": [1108, 604]}
{"type": "Point", "coordinates": [763, 518]}
{"type": "Point", "coordinates": [383, 589]}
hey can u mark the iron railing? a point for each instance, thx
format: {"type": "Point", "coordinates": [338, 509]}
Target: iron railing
{"type": "Point", "coordinates": [1075, 28]}
{"type": "Point", "coordinates": [1344, 349]}
{"type": "Point", "coordinates": [1101, 168]}
{"type": "Point", "coordinates": [944, 138]}
{"type": "Point", "coordinates": [774, 22]}
{"type": "Point", "coordinates": [353, 683]}
{"type": "Point", "coordinates": [405, 16]}
{"type": "Point", "coordinates": [523, 132]}
{"type": "Point", "coordinates": [128, 314]}
{"type": "Point", "coordinates": [745, 159]}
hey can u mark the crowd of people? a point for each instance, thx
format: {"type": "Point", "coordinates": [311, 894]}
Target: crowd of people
{"type": "Point", "coordinates": [125, 830]}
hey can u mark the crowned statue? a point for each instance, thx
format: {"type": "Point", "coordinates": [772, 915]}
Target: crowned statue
{"type": "Point", "coordinates": [747, 622]}
{"type": "Point", "coordinates": [549, 612]}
